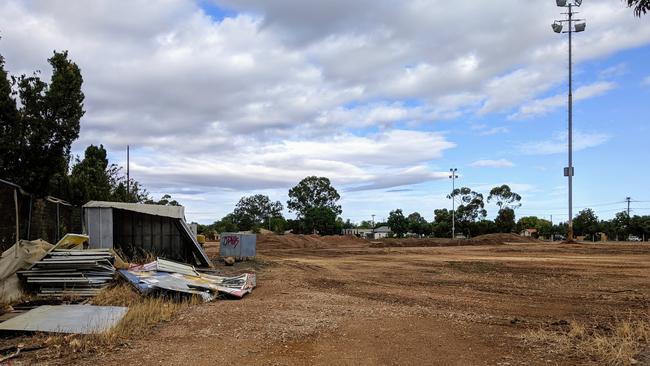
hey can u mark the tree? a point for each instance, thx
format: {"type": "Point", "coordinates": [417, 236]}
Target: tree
{"type": "Point", "coordinates": [418, 224]}
{"type": "Point", "coordinates": [442, 223]}
{"type": "Point", "coordinates": [226, 225]}
{"type": "Point", "coordinates": [585, 223]}
{"type": "Point", "coordinates": [505, 220]}
{"type": "Point", "coordinates": [313, 192]}
{"type": "Point", "coordinates": [39, 134]}
{"type": "Point", "coordinates": [165, 200]}
{"type": "Point", "coordinates": [640, 6]}
{"type": "Point", "coordinates": [472, 207]}
{"type": "Point", "coordinates": [90, 178]}
{"type": "Point", "coordinates": [253, 211]}
{"type": "Point", "coordinates": [505, 197]}
{"type": "Point", "coordinates": [321, 220]}
{"type": "Point", "coordinates": [398, 223]}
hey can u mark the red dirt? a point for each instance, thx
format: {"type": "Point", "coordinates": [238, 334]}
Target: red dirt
{"type": "Point", "coordinates": [467, 305]}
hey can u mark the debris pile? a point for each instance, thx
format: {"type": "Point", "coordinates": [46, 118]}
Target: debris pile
{"type": "Point", "coordinates": [71, 273]}
{"type": "Point", "coordinates": [167, 276]}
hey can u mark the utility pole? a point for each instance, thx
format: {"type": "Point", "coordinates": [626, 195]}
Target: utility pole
{"type": "Point", "coordinates": [128, 178]}
{"type": "Point", "coordinates": [552, 231]}
{"type": "Point", "coordinates": [373, 226]}
{"type": "Point", "coordinates": [573, 27]}
{"type": "Point", "coordinates": [628, 199]}
{"type": "Point", "coordinates": [453, 177]}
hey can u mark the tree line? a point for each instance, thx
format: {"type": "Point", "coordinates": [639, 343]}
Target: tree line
{"type": "Point", "coordinates": [39, 121]}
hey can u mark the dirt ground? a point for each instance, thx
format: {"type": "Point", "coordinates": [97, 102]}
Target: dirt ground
{"type": "Point", "coordinates": [358, 305]}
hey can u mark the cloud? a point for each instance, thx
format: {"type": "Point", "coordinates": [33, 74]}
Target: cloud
{"type": "Point", "coordinates": [543, 106]}
{"type": "Point", "coordinates": [265, 92]}
{"type": "Point", "coordinates": [646, 81]}
{"type": "Point", "coordinates": [617, 70]}
{"type": "Point", "coordinates": [487, 163]}
{"type": "Point", "coordinates": [558, 144]}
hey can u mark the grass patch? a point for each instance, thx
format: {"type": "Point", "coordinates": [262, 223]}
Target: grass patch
{"type": "Point", "coordinates": [622, 343]}
{"type": "Point", "coordinates": [475, 267]}
{"type": "Point", "coordinates": [145, 312]}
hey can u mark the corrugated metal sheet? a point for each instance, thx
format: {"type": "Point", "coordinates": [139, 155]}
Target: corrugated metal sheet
{"type": "Point", "coordinates": [82, 319]}
{"type": "Point", "coordinates": [176, 212]}
{"type": "Point", "coordinates": [238, 245]}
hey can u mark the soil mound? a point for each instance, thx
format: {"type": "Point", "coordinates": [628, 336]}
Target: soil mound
{"type": "Point", "coordinates": [293, 241]}
{"type": "Point", "coordinates": [487, 239]}
{"type": "Point", "coordinates": [501, 238]}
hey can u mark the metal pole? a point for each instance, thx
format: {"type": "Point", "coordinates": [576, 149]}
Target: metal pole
{"type": "Point", "coordinates": [373, 227]}
{"type": "Point", "coordinates": [17, 223]}
{"type": "Point", "coordinates": [570, 228]}
{"type": "Point", "coordinates": [128, 179]}
{"type": "Point", "coordinates": [552, 231]}
{"type": "Point", "coordinates": [453, 202]}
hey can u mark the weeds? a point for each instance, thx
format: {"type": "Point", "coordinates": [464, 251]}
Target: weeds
{"type": "Point", "coordinates": [619, 344]}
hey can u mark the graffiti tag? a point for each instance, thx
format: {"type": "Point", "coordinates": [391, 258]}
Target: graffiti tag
{"type": "Point", "coordinates": [231, 241]}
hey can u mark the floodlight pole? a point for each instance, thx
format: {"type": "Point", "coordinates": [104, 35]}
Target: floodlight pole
{"type": "Point", "coordinates": [557, 28]}
{"type": "Point", "coordinates": [453, 177]}
{"type": "Point", "coordinates": [570, 228]}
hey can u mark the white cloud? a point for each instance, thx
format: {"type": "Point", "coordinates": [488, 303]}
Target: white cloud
{"type": "Point", "coordinates": [487, 163]}
{"type": "Point", "coordinates": [543, 106]}
{"type": "Point", "coordinates": [558, 144]}
{"type": "Point", "coordinates": [646, 81]}
{"type": "Point", "coordinates": [281, 89]}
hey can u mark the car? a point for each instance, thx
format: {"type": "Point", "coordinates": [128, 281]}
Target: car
{"type": "Point", "coordinates": [633, 238]}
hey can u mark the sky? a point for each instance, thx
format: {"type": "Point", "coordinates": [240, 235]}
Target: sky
{"type": "Point", "coordinates": [223, 99]}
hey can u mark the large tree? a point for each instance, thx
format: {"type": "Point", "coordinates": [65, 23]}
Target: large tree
{"type": "Point", "coordinates": [253, 211]}
{"type": "Point", "coordinates": [442, 223]}
{"type": "Point", "coordinates": [313, 192]}
{"type": "Point", "coordinates": [37, 135]}
{"type": "Point", "coordinates": [586, 222]}
{"type": "Point", "coordinates": [640, 6]}
{"type": "Point", "coordinates": [398, 223]}
{"type": "Point", "coordinates": [505, 197]}
{"type": "Point", "coordinates": [418, 224]}
{"type": "Point", "coordinates": [90, 177]}
{"type": "Point", "coordinates": [471, 208]}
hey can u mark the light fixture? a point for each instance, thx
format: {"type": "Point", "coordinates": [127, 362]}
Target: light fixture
{"type": "Point", "coordinates": [578, 2]}
{"type": "Point", "coordinates": [560, 2]}
{"type": "Point", "coordinates": [580, 27]}
{"type": "Point", "coordinates": [557, 27]}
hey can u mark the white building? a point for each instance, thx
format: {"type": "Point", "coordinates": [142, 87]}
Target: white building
{"type": "Point", "coordinates": [370, 234]}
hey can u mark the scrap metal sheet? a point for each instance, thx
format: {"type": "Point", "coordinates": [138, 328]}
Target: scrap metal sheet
{"type": "Point", "coordinates": [203, 284]}
{"type": "Point", "coordinates": [82, 319]}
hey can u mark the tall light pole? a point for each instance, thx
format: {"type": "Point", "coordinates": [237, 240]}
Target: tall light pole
{"type": "Point", "coordinates": [574, 25]}
{"type": "Point", "coordinates": [453, 177]}
{"type": "Point", "coordinates": [373, 226]}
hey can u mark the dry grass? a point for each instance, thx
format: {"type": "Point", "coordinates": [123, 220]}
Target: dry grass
{"type": "Point", "coordinates": [619, 344]}
{"type": "Point", "coordinates": [145, 312]}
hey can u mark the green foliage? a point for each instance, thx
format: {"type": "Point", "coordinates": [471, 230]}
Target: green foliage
{"type": "Point", "coordinates": [227, 224]}
{"type": "Point", "coordinates": [90, 178]}
{"type": "Point", "coordinates": [586, 223]}
{"type": "Point", "coordinates": [313, 192]}
{"type": "Point", "coordinates": [321, 220]}
{"type": "Point", "coordinates": [418, 224]}
{"type": "Point", "coordinates": [37, 136]}
{"type": "Point", "coordinates": [505, 197]}
{"type": "Point", "coordinates": [505, 220]}
{"type": "Point", "coordinates": [471, 209]}
{"type": "Point", "coordinates": [442, 223]}
{"type": "Point", "coordinates": [254, 211]}
{"type": "Point", "coordinates": [398, 223]}
{"type": "Point", "coordinates": [165, 200]}
{"type": "Point", "coordinates": [640, 6]}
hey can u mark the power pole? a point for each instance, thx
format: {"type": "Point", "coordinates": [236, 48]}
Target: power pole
{"type": "Point", "coordinates": [128, 179]}
{"type": "Point", "coordinates": [628, 199]}
{"type": "Point", "coordinates": [552, 231]}
{"type": "Point", "coordinates": [453, 177]}
{"type": "Point", "coordinates": [373, 226]}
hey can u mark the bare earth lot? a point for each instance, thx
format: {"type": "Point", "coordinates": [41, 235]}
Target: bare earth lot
{"type": "Point", "coordinates": [356, 305]}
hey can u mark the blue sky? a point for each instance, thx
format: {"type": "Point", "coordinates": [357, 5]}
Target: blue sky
{"type": "Point", "coordinates": [221, 99]}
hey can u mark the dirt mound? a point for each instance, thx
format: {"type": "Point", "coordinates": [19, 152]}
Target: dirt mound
{"type": "Point", "coordinates": [292, 241]}
{"type": "Point", "coordinates": [487, 239]}
{"type": "Point", "coordinates": [501, 238]}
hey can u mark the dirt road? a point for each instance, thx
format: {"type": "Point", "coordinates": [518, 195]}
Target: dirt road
{"type": "Point", "coordinates": [402, 306]}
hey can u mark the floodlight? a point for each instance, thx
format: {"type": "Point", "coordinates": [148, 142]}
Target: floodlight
{"type": "Point", "coordinates": [578, 2]}
{"type": "Point", "coordinates": [560, 2]}
{"type": "Point", "coordinates": [580, 27]}
{"type": "Point", "coordinates": [557, 27]}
